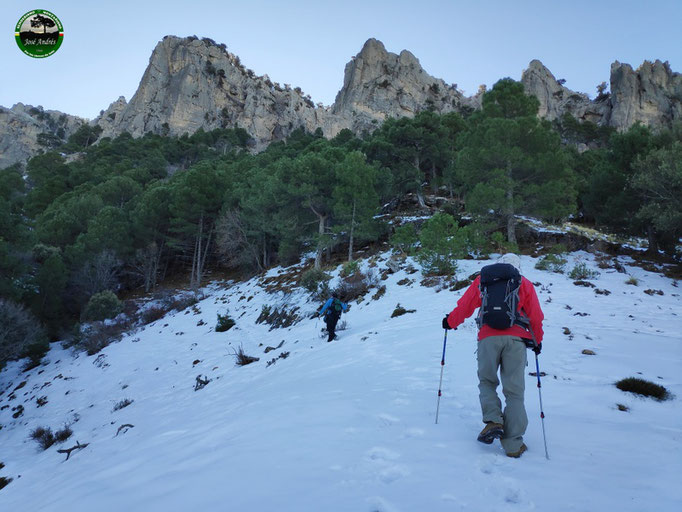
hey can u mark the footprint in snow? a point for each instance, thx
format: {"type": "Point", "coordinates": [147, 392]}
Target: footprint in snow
{"type": "Point", "coordinates": [379, 504]}
{"type": "Point", "coordinates": [387, 420]}
{"type": "Point", "coordinates": [413, 432]}
{"type": "Point", "coordinates": [382, 454]}
{"type": "Point", "coordinates": [392, 473]}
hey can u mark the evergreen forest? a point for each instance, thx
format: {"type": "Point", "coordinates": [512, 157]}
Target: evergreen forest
{"type": "Point", "coordinates": [100, 218]}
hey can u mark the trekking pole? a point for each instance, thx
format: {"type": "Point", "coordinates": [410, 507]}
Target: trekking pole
{"type": "Point", "coordinates": [542, 413]}
{"type": "Point", "coordinates": [442, 366]}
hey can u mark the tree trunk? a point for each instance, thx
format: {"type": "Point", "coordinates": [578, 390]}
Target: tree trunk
{"type": "Point", "coordinates": [653, 243]}
{"type": "Point", "coordinates": [196, 259]}
{"type": "Point", "coordinates": [511, 221]}
{"type": "Point", "coordinates": [352, 231]}
{"type": "Point", "coordinates": [320, 230]}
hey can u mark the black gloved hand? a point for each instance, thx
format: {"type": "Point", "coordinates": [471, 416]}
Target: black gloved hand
{"type": "Point", "coordinates": [537, 349]}
{"type": "Point", "coordinates": [446, 326]}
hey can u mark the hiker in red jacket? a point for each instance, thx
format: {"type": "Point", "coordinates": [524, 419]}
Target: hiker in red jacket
{"type": "Point", "coordinates": [510, 319]}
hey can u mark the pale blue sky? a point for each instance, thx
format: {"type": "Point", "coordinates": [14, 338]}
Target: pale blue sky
{"type": "Point", "coordinates": [307, 43]}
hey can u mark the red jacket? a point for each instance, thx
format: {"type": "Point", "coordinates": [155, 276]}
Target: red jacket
{"type": "Point", "coordinates": [528, 302]}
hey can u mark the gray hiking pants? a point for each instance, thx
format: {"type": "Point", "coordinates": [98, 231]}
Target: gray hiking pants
{"type": "Point", "coordinates": [508, 353]}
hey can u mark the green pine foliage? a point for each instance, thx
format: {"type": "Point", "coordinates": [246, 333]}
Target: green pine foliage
{"type": "Point", "coordinates": [127, 213]}
{"type": "Point", "coordinates": [442, 242]}
{"type": "Point", "coordinates": [553, 263]}
{"type": "Point", "coordinates": [102, 306]}
{"type": "Point", "coordinates": [225, 323]}
{"type": "Point", "coordinates": [404, 239]}
{"type": "Point", "coordinates": [582, 272]}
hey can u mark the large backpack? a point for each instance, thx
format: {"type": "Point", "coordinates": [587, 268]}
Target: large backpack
{"type": "Point", "coordinates": [334, 309]}
{"type": "Point", "coordinates": [499, 288]}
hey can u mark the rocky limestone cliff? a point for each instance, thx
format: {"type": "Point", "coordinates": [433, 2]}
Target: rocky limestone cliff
{"type": "Point", "coordinates": [379, 84]}
{"type": "Point", "coordinates": [191, 84]}
{"type": "Point", "coordinates": [25, 131]}
{"type": "Point", "coordinates": [651, 95]}
{"type": "Point", "coordinates": [555, 99]}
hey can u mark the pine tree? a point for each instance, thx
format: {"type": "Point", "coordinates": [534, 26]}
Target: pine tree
{"type": "Point", "coordinates": [355, 195]}
{"type": "Point", "coordinates": [511, 163]}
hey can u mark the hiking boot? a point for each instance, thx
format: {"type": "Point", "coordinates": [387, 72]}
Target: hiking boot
{"type": "Point", "coordinates": [516, 455]}
{"type": "Point", "coordinates": [490, 432]}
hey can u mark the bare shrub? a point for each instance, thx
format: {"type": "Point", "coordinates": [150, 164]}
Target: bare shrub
{"type": "Point", "coordinates": [63, 434]}
{"type": "Point", "coordinates": [153, 314]}
{"type": "Point", "coordinates": [242, 359]}
{"type": "Point", "coordinates": [99, 335]}
{"type": "Point", "coordinates": [181, 302]}
{"type": "Point", "coordinates": [399, 311]}
{"type": "Point", "coordinates": [233, 244]}
{"type": "Point", "coordinates": [353, 287]}
{"type": "Point", "coordinates": [99, 274]}
{"type": "Point", "coordinates": [43, 436]}
{"type": "Point", "coordinates": [19, 330]}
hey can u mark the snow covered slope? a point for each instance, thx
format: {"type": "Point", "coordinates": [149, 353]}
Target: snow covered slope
{"type": "Point", "coordinates": [349, 425]}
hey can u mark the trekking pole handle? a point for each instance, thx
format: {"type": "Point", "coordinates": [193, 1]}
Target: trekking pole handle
{"type": "Point", "coordinates": [445, 340]}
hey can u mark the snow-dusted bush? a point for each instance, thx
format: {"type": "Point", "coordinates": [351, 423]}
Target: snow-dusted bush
{"type": "Point", "coordinates": [581, 271]}
{"type": "Point", "coordinates": [352, 287]}
{"type": "Point", "coordinates": [20, 333]}
{"type": "Point", "coordinates": [153, 314]}
{"type": "Point", "coordinates": [314, 279]}
{"type": "Point", "coordinates": [552, 263]}
{"type": "Point", "coordinates": [99, 335]}
{"type": "Point", "coordinates": [349, 268]}
{"type": "Point", "coordinates": [102, 306]}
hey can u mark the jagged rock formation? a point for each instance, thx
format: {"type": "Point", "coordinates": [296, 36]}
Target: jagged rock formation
{"type": "Point", "coordinates": [192, 83]}
{"type": "Point", "coordinates": [107, 118]}
{"type": "Point", "coordinates": [555, 99]}
{"type": "Point", "coordinates": [26, 130]}
{"type": "Point", "coordinates": [651, 95]}
{"type": "Point", "coordinates": [378, 84]}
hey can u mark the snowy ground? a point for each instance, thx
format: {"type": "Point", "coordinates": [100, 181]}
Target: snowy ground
{"type": "Point", "coordinates": [349, 425]}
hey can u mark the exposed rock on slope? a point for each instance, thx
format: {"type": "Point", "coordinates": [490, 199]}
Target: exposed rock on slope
{"type": "Point", "coordinates": [191, 84]}
{"type": "Point", "coordinates": [652, 94]}
{"type": "Point", "coordinates": [555, 99]}
{"type": "Point", "coordinates": [378, 84]}
{"type": "Point", "coordinates": [25, 130]}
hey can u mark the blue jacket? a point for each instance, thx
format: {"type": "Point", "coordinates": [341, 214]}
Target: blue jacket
{"type": "Point", "coordinates": [328, 304]}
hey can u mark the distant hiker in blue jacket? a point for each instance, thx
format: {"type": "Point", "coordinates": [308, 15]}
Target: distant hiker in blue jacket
{"type": "Point", "coordinates": [332, 310]}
